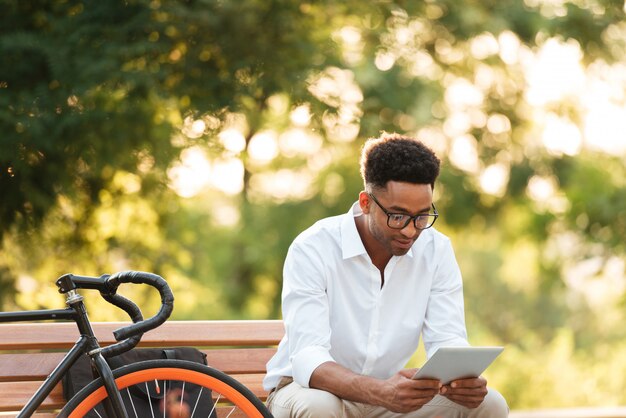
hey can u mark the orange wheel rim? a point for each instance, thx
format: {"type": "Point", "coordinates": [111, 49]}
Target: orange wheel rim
{"type": "Point", "coordinates": [169, 373]}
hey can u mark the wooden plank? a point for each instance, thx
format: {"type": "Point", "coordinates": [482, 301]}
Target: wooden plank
{"type": "Point", "coordinates": [236, 361]}
{"type": "Point", "coordinates": [21, 367]}
{"type": "Point", "coordinates": [14, 395]}
{"type": "Point", "coordinates": [172, 333]}
{"type": "Point", "coordinates": [36, 366]}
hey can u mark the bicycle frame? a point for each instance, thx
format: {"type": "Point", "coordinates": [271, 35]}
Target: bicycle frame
{"type": "Point", "coordinates": [87, 343]}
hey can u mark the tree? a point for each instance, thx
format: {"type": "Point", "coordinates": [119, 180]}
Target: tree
{"type": "Point", "coordinates": [95, 89]}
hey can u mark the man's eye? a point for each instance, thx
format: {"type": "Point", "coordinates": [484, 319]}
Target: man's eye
{"type": "Point", "coordinates": [398, 217]}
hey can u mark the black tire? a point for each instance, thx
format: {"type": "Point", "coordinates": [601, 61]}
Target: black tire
{"type": "Point", "coordinates": [187, 383]}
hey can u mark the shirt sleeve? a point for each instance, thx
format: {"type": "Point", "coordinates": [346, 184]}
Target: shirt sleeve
{"type": "Point", "coordinates": [444, 323]}
{"type": "Point", "coordinates": [305, 309]}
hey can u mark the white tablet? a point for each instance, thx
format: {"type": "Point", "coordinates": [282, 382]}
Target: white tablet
{"type": "Point", "coordinates": [453, 363]}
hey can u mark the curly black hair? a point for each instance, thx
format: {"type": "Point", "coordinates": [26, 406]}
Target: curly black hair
{"type": "Point", "coordinates": [394, 157]}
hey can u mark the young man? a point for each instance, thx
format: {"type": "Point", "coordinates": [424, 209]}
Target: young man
{"type": "Point", "coordinates": [359, 289]}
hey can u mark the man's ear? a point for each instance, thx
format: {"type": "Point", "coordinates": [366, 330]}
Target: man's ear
{"type": "Point", "coordinates": [364, 202]}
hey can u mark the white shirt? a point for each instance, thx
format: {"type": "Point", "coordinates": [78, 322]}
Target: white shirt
{"type": "Point", "coordinates": [334, 308]}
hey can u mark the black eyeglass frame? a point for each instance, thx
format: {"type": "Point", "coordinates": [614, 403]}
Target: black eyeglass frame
{"type": "Point", "coordinates": [409, 217]}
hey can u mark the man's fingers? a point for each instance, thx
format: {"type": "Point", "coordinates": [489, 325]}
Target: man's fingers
{"type": "Point", "coordinates": [408, 373]}
{"type": "Point", "coordinates": [467, 396]}
{"type": "Point", "coordinates": [480, 391]}
{"type": "Point", "coordinates": [467, 401]}
{"type": "Point", "coordinates": [465, 392]}
{"type": "Point", "coordinates": [414, 398]}
{"type": "Point", "coordinates": [473, 382]}
{"type": "Point", "coordinates": [423, 393]}
{"type": "Point", "coordinates": [426, 383]}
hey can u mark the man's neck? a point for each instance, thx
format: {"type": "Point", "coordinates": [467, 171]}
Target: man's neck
{"type": "Point", "coordinates": [378, 254]}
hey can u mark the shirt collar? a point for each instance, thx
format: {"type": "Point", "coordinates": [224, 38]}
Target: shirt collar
{"type": "Point", "coordinates": [351, 244]}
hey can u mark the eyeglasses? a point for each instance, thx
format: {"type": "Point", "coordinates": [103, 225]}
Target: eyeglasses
{"type": "Point", "coordinates": [401, 220]}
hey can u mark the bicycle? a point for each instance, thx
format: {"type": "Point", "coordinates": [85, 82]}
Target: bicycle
{"type": "Point", "coordinates": [105, 393]}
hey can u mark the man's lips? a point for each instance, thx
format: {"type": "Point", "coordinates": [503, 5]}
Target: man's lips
{"type": "Point", "coordinates": [404, 243]}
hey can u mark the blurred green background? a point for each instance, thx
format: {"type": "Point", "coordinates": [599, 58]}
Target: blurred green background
{"type": "Point", "coordinates": [196, 139]}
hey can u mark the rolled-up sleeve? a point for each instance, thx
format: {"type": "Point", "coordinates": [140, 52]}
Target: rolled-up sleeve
{"type": "Point", "coordinates": [306, 310]}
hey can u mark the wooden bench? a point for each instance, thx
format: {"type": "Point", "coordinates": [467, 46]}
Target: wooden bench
{"type": "Point", "coordinates": [29, 352]}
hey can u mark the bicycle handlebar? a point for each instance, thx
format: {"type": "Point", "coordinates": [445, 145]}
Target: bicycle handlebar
{"type": "Point", "coordinates": [130, 335]}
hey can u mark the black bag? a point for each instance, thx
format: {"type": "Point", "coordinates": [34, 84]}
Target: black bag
{"type": "Point", "coordinates": [145, 400]}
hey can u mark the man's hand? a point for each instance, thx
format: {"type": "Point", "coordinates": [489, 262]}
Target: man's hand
{"type": "Point", "coordinates": [404, 394]}
{"type": "Point", "coordinates": [400, 393]}
{"type": "Point", "coordinates": [467, 392]}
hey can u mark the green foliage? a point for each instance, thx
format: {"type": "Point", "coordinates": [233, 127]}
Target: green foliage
{"type": "Point", "coordinates": [103, 103]}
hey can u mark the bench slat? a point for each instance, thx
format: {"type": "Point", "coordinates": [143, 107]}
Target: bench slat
{"type": "Point", "coordinates": [173, 333]}
{"type": "Point", "coordinates": [240, 361]}
{"type": "Point", "coordinates": [14, 395]}
{"type": "Point", "coordinates": [36, 366]}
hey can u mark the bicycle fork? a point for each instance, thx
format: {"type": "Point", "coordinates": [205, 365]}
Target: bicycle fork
{"type": "Point", "coordinates": [113, 403]}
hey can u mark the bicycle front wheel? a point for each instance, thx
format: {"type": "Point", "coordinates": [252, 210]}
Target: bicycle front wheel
{"type": "Point", "coordinates": [169, 388]}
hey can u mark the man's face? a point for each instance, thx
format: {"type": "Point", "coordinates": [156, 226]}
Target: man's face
{"type": "Point", "coordinates": [405, 198]}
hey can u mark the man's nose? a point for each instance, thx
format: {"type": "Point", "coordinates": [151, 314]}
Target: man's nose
{"type": "Point", "coordinates": [410, 231]}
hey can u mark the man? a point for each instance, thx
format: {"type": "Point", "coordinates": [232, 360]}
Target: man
{"type": "Point", "coordinates": [359, 290]}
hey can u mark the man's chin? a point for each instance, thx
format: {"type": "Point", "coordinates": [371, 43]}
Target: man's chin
{"type": "Point", "coordinates": [399, 248]}
{"type": "Point", "coordinates": [399, 251]}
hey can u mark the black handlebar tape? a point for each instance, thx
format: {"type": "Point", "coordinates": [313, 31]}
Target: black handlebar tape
{"type": "Point", "coordinates": [135, 314]}
{"type": "Point", "coordinates": [167, 301]}
{"type": "Point", "coordinates": [119, 348]}
{"type": "Point", "coordinates": [127, 305]}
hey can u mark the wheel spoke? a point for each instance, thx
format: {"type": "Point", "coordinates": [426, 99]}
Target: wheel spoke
{"type": "Point", "coordinates": [132, 404]}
